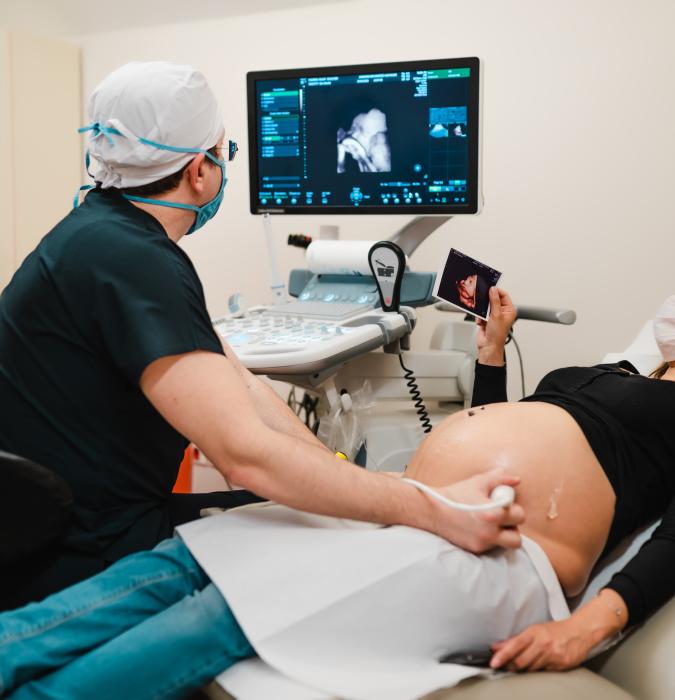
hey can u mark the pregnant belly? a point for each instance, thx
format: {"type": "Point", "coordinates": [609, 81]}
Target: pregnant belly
{"type": "Point", "coordinates": [568, 501]}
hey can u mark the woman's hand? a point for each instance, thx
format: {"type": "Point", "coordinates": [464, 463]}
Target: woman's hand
{"type": "Point", "coordinates": [553, 646]}
{"type": "Point", "coordinates": [492, 333]}
{"type": "Point", "coordinates": [558, 646]}
{"type": "Point", "coordinates": [480, 531]}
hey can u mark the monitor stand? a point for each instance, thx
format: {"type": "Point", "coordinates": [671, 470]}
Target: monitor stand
{"type": "Point", "coordinates": [416, 231]}
{"type": "Point", "coordinates": [278, 287]}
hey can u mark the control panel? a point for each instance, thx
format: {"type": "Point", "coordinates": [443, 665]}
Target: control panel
{"type": "Point", "coordinates": [301, 338]}
{"type": "Point", "coordinates": [341, 289]}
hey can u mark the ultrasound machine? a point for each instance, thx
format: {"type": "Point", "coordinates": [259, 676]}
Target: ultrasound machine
{"type": "Point", "coordinates": [378, 139]}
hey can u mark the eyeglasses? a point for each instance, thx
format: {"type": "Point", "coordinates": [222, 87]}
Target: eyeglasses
{"type": "Point", "coordinates": [231, 150]}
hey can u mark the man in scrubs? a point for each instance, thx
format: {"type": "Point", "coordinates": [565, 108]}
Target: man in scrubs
{"type": "Point", "coordinates": [109, 364]}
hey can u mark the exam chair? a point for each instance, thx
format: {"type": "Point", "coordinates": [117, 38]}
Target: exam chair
{"type": "Point", "coordinates": [35, 505]}
{"type": "Point", "coordinates": [641, 667]}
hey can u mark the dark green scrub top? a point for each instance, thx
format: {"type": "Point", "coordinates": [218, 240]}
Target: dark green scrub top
{"type": "Point", "coordinates": [104, 294]}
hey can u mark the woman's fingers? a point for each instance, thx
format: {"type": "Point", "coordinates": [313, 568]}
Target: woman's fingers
{"type": "Point", "coordinates": [510, 649]}
{"type": "Point", "coordinates": [540, 662]}
{"type": "Point", "coordinates": [495, 303]}
{"type": "Point", "coordinates": [526, 660]}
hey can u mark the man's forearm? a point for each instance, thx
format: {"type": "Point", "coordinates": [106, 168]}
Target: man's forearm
{"type": "Point", "coordinates": [309, 478]}
{"type": "Point", "coordinates": [277, 415]}
{"type": "Point", "coordinates": [272, 410]}
{"type": "Point", "coordinates": [188, 392]}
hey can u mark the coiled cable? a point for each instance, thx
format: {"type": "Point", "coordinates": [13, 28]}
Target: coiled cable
{"type": "Point", "coordinates": [417, 399]}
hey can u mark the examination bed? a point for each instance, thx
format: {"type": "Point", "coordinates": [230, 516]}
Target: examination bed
{"type": "Point", "coordinates": [639, 667]}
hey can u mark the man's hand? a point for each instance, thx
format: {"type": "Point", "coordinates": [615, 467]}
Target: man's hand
{"type": "Point", "coordinates": [483, 530]}
{"type": "Point", "coordinates": [553, 646]}
{"type": "Point", "coordinates": [492, 333]}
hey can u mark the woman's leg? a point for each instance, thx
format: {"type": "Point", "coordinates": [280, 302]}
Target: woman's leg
{"type": "Point", "coordinates": [43, 636]}
{"type": "Point", "coordinates": [162, 658]}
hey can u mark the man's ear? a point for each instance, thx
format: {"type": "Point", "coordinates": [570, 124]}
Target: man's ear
{"type": "Point", "coordinates": [195, 172]}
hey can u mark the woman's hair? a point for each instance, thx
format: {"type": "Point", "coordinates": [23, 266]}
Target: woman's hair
{"type": "Point", "coordinates": [660, 370]}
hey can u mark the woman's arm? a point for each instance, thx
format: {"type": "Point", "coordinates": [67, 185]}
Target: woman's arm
{"type": "Point", "coordinates": [648, 580]}
{"type": "Point", "coordinates": [645, 584]}
{"type": "Point", "coordinates": [490, 376]}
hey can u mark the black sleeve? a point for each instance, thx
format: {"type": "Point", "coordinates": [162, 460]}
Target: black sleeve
{"type": "Point", "coordinates": [623, 364]}
{"type": "Point", "coordinates": [489, 385]}
{"type": "Point", "coordinates": [150, 308]}
{"type": "Point", "coordinates": [648, 580]}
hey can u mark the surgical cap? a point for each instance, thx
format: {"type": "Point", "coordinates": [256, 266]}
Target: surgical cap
{"type": "Point", "coordinates": [167, 103]}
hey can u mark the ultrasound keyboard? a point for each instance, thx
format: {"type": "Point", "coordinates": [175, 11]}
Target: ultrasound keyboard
{"type": "Point", "coordinates": [299, 337]}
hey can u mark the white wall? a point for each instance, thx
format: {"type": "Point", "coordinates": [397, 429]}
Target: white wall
{"type": "Point", "coordinates": [46, 146]}
{"type": "Point", "coordinates": [40, 150]}
{"type": "Point", "coordinates": [6, 164]}
{"type": "Point", "coordinates": [579, 109]}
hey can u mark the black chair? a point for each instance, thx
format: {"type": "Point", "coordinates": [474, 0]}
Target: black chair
{"type": "Point", "coordinates": [35, 505]}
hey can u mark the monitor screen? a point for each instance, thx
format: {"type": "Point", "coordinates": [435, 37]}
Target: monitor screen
{"type": "Point", "coordinates": [381, 138]}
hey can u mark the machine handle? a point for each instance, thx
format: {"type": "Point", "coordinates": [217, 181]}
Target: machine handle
{"type": "Point", "coordinates": [541, 313]}
{"type": "Point", "coordinates": [528, 313]}
{"type": "Point", "coordinates": [387, 263]}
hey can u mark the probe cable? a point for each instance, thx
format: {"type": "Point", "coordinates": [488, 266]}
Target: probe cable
{"type": "Point", "coordinates": [418, 401]}
{"type": "Point", "coordinates": [501, 497]}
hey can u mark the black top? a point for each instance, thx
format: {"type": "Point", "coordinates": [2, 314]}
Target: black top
{"type": "Point", "coordinates": [104, 294]}
{"type": "Point", "coordinates": [628, 421]}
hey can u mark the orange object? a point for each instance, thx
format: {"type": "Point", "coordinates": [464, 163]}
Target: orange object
{"type": "Point", "coordinates": [184, 481]}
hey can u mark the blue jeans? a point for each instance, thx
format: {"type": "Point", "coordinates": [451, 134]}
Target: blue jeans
{"type": "Point", "coordinates": [150, 626]}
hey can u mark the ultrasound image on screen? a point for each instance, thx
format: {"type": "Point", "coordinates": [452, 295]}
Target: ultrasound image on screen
{"type": "Point", "coordinates": [366, 142]}
{"type": "Point", "coordinates": [447, 122]}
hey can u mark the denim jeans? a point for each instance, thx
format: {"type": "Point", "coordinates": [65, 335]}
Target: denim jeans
{"type": "Point", "coordinates": [150, 626]}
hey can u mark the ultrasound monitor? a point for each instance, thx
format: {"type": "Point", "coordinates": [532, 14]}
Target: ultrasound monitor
{"type": "Point", "coordinates": [385, 138]}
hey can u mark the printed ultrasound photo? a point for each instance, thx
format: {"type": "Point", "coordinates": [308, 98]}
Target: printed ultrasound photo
{"type": "Point", "coordinates": [366, 142]}
{"type": "Point", "coordinates": [464, 282]}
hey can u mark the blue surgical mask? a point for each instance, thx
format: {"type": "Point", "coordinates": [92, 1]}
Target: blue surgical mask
{"type": "Point", "coordinates": [206, 211]}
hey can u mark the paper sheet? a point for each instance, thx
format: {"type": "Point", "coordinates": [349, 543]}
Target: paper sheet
{"type": "Point", "coordinates": [358, 611]}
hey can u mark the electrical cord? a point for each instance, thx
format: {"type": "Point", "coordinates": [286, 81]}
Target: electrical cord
{"type": "Point", "coordinates": [307, 406]}
{"type": "Point", "coordinates": [520, 361]}
{"type": "Point", "coordinates": [417, 399]}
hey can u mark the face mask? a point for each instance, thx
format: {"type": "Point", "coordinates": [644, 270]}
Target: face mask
{"type": "Point", "coordinates": [206, 211]}
{"type": "Point", "coordinates": [664, 329]}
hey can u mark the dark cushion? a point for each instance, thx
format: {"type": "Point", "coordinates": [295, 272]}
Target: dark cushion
{"type": "Point", "coordinates": [35, 506]}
